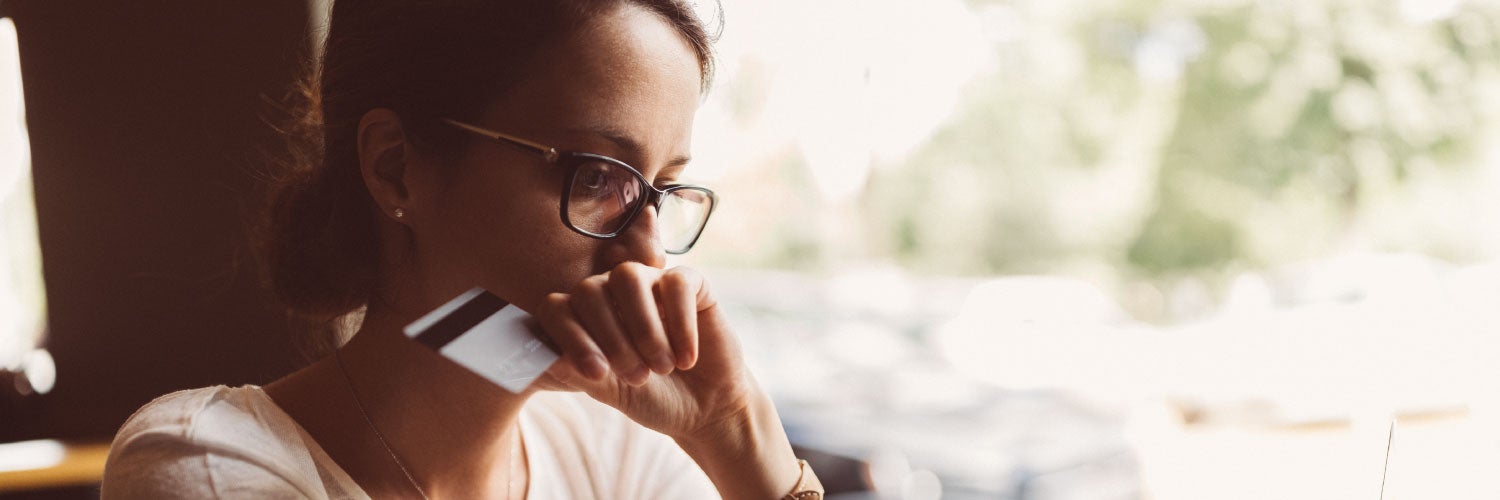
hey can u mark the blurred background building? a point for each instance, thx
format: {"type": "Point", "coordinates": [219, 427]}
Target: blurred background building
{"type": "Point", "coordinates": [1031, 249]}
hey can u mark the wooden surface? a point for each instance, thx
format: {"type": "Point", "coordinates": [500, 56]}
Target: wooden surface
{"type": "Point", "coordinates": [82, 464]}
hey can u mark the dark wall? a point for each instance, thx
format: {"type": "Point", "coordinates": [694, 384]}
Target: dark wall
{"type": "Point", "coordinates": [148, 121]}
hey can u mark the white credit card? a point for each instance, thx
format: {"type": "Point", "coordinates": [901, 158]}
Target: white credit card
{"type": "Point", "coordinates": [484, 334]}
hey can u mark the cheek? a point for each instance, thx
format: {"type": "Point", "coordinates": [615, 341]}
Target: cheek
{"type": "Point", "coordinates": [510, 239]}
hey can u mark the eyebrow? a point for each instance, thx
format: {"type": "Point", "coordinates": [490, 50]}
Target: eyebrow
{"type": "Point", "coordinates": [628, 143]}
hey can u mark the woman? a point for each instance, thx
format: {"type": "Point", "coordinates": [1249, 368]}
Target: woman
{"type": "Point", "coordinates": [463, 143]}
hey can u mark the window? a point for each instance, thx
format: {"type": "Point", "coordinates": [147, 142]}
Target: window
{"type": "Point", "coordinates": [23, 301]}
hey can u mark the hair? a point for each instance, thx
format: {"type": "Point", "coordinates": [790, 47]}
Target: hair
{"type": "Point", "coordinates": [422, 59]}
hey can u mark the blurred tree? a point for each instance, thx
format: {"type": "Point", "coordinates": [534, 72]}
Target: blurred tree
{"type": "Point", "coordinates": [1284, 125]}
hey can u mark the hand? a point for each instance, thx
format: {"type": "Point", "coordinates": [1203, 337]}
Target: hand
{"type": "Point", "coordinates": [613, 329]}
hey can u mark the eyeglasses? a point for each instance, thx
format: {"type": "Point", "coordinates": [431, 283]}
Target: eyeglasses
{"type": "Point", "coordinates": [603, 195]}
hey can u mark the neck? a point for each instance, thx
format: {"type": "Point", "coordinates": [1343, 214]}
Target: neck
{"type": "Point", "coordinates": [454, 430]}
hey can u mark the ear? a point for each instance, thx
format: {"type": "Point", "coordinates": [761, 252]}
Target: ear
{"type": "Point", "coordinates": [383, 156]}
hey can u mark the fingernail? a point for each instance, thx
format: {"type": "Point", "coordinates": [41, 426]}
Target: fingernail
{"type": "Point", "coordinates": [662, 363]}
{"type": "Point", "coordinates": [594, 367]}
{"type": "Point", "coordinates": [683, 362]}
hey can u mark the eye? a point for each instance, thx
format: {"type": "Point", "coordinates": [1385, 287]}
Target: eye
{"type": "Point", "coordinates": [593, 179]}
{"type": "Point", "coordinates": [598, 180]}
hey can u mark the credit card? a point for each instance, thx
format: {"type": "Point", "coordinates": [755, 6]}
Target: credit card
{"type": "Point", "coordinates": [483, 333]}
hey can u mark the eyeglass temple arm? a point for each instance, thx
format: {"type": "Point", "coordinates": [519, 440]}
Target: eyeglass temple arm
{"type": "Point", "coordinates": [549, 153]}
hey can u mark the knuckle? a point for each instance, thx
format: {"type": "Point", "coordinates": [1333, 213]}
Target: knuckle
{"type": "Point", "coordinates": [674, 281]}
{"type": "Point", "coordinates": [620, 272]}
{"type": "Point", "coordinates": [599, 279]}
{"type": "Point", "coordinates": [554, 302]}
{"type": "Point", "coordinates": [628, 267]}
{"type": "Point", "coordinates": [635, 272]}
{"type": "Point", "coordinates": [591, 284]}
{"type": "Point", "coordinates": [626, 275]}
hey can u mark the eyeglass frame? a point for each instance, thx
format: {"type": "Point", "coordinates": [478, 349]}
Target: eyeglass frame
{"type": "Point", "coordinates": [554, 157]}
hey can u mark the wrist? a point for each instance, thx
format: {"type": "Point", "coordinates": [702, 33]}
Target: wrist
{"type": "Point", "coordinates": [746, 454]}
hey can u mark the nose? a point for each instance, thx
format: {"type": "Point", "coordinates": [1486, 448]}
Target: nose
{"type": "Point", "coordinates": [641, 242]}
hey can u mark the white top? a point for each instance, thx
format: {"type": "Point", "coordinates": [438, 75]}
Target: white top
{"type": "Point", "coordinates": [234, 442]}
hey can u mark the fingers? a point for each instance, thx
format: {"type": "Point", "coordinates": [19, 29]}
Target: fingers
{"type": "Point", "coordinates": [631, 287]}
{"type": "Point", "coordinates": [676, 294]}
{"type": "Point", "coordinates": [594, 308]}
{"type": "Point", "coordinates": [635, 319]}
{"type": "Point", "coordinates": [570, 337]}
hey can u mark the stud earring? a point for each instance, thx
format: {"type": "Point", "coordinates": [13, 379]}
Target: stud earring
{"type": "Point", "coordinates": [400, 213]}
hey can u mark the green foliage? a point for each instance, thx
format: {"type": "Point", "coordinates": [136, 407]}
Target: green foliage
{"type": "Point", "coordinates": [1277, 115]}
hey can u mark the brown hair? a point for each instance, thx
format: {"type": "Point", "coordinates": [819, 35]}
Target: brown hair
{"type": "Point", "coordinates": [422, 59]}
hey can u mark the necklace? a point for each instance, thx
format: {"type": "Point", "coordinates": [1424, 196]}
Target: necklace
{"type": "Point", "coordinates": [349, 382]}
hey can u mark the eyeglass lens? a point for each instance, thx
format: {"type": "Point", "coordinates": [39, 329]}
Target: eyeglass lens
{"type": "Point", "coordinates": [603, 196]}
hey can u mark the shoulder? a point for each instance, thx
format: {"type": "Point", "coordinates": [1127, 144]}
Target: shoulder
{"type": "Point", "coordinates": [210, 442]}
{"type": "Point", "coordinates": [180, 412]}
{"type": "Point", "coordinates": [216, 416]}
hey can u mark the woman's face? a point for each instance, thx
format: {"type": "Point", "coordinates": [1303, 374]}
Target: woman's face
{"type": "Point", "coordinates": [626, 86]}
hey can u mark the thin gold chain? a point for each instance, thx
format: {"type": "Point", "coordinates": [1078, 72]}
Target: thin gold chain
{"type": "Point", "coordinates": [350, 383]}
{"type": "Point", "coordinates": [515, 458]}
